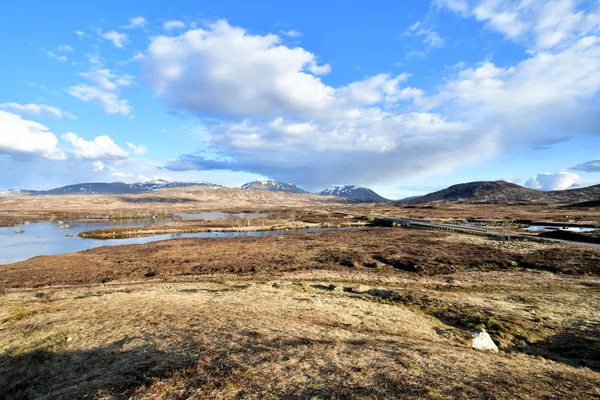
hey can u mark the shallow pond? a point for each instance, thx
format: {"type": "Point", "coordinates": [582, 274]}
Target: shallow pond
{"type": "Point", "coordinates": [46, 238]}
{"type": "Point", "coordinates": [219, 215]}
{"type": "Point", "coordinates": [535, 228]}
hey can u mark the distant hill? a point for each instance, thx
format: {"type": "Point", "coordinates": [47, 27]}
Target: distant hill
{"type": "Point", "coordinates": [117, 187]}
{"type": "Point", "coordinates": [407, 199]}
{"type": "Point", "coordinates": [505, 192]}
{"type": "Point", "coordinates": [353, 192]}
{"type": "Point", "coordinates": [272, 185]}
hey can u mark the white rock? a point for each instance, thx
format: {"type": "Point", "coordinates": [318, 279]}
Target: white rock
{"type": "Point", "coordinates": [316, 300]}
{"type": "Point", "coordinates": [483, 341]}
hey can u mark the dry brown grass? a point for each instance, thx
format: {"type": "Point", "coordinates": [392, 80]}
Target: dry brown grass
{"type": "Point", "coordinates": [239, 339]}
{"type": "Point", "coordinates": [178, 199]}
{"type": "Point", "coordinates": [201, 318]}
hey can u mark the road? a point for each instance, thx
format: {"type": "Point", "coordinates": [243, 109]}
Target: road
{"type": "Point", "coordinates": [431, 225]}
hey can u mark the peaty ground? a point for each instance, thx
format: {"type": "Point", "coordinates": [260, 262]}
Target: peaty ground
{"type": "Point", "coordinates": [366, 313]}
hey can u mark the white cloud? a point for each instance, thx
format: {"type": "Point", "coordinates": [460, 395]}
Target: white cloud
{"type": "Point", "coordinates": [98, 166]}
{"type": "Point", "coordinates": [80, 34]}
{"type": "Point", "coordinates": [546, 24]}
{"type": "Point", "coordinates": [136, 22]}
{"type": "Point", "coordinates": [541, 98]}
{"type": "Point", "coordinates": [101, 148]}
{"type": "Point", "coordinates": [373, 147]}
{"type": "Point", "coordinates": [554, 181]}
{"type": "Point", "coordinates": [431, 38]}
{"type": "Point", "coordinates": [459, 6]}
{"type": "Point", "coordinates": [21, 137]}
{"type": "Point", "coordinates": [110, 102]}
{"type": "Point", "coordinates": [104, 89]}
{"type": "Point", "coordinates": [51, 54]}
{"type": "Point", "coordinates": [291, 33]}
{"type": "Point", "coordinates": [271, 115]}
{"type": "Point", "coordinates": [172, 25]}
{"type": "Point", "coordinates": [138, 150]}
{"type": "Point", "coordinates": [118, 39]}
{"type": "Point", "coordinates": [225, 70]}
{"type": "Point", "coordinates": [36, 109]}
{"type": "Point", "coordinates": [65, 48]}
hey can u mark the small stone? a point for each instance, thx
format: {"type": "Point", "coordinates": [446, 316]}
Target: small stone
{"type": "Point", "coordinates": [69, 339]}
{"type": "Point", "coordinates": [483, 341]}
{"type": "Point", "coordinates": [316, 300]}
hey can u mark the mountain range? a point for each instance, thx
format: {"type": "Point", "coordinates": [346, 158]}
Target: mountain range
{"type": "Point", "coordinates": [348, 191]}
{"type": "Point", "coordinates": [108, 188]}
{"type": "Point", "coordinates": [499, 192]}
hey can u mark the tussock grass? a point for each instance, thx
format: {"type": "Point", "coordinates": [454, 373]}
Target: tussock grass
{"type": "Point", "coordinates": [244, 339]}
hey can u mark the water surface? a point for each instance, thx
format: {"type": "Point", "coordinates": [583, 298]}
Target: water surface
{"type": "Point", "coordinates": [46, 238]}
{"type": "Point", "coordinates": [535, 228]}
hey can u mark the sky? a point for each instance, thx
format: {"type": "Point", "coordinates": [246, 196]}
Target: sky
{"type": "Point", "coordinates": [402, 97]}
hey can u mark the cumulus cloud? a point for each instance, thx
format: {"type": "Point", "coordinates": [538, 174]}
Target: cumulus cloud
{"type": "Point", "coordinates": [268, 111]}
{"type": "Point", "coordinates": [101, 148]}
{"type": "Point", "coordinates": [22, 137]}
{"type": "Point", "coordinates": [118, 39]}
{"type": "Point", "coordinates": [36, 109]}
{"type": "Point", "coordinates": [547, 97]}
{"type": "Point", "coordinates": [589, 166]}
{"type": "Point", "coordinates": [224, 70]}
{"type": "Point", "coordinates": [554, 181]}
{"type": "Point", "coordinates": [172, 25]}
{"type": "Point", "coordinates": [98, 166]}
{"type": "Point", "coordinates": [138, 150]}
{"type": "Point", "coordinates": [136, 22]}
{"type": "Point", "coordinates": [545, 24]}
{"type": "Point", "coordinates": [104, 88]}
{"type": "Point", "coordinates": [321, 152]}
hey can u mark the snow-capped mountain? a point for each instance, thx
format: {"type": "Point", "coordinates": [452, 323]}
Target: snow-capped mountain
{"type": "Point", "coordinates": [120, 187]}
{"type": "Point", "coordinates": [273, 186]}
{"type": "Point", "coordinates": [353, 192]}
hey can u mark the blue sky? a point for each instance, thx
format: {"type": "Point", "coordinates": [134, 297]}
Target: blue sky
{"type": "Point", "coordinates": [403, 97]}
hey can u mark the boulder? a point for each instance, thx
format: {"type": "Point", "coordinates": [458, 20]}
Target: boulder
{"type": "Point", "coordinates": [483, 341]}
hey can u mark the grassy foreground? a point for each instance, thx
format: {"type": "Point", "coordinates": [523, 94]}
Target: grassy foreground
{"type": "Point", "coordinates": [257, 318]}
